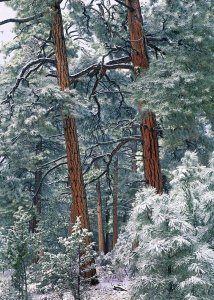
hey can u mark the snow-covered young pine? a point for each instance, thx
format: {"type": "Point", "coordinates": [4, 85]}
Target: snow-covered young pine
{"type": "Point", "coordinates": [63, 270]}
{"type": "Point", "coordinates": [173, 257]}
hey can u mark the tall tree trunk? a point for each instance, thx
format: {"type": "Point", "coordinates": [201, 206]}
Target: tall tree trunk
{"type": "Point", "coordinates": [137, 38]}
{"type": "Point", "coordinates": [115, 202]}
{"type": "Point", "coordinates": [79, 202]}
{"type": "Point", "coordinates": [101, 237]}
{"type": "Point", "coordinates": [70, 132]}
{"type": "Point", "coordinates": [152, 170]}
{"type": "Point", "coordinates": [37, 200]}
{"type": "Point", "coordinates": [79, 206]}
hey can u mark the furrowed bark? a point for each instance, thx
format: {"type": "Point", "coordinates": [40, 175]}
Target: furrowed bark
{"type": "Point", "coordinates": [135, 21]}
{"type": "Point", "coordinates": [79, 207]}
{"type": "Point", "coordinates": [152, 170]}
{"type": "Point", "coordinates": [79, 202]}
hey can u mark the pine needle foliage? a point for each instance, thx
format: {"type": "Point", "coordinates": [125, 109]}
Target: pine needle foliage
{"type": "Point", "coordinates": [173, 257]}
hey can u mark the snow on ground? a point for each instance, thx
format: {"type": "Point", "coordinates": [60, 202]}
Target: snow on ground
{"type": "Point", "coordinates": [110, 290]}
{"type": "Point", "coordinates": [111, 287]}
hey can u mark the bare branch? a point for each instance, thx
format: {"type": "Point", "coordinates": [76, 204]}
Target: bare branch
{"type": "Point", "coordinates": [111, 155]}
{"type": "Point", "coordinates": [115, 64]}
{"type": "Point", "coordinates": [53, 161]}
{"type": "Point", "coordinates": [20, 77]}
{"type": "Point", "coordinates": [125, 5]}
{"type": "Point", "coordinates": [21, 20]}
{"type": "Point", "coordinates": [122, 142]}
{"type": "Point", "coordinates": [44, 176]}
{"type": "Point", "coordinates": [127, 139]}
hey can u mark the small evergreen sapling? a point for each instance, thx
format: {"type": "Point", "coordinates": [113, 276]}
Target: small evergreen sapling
{"type": "Point", "coordinates": [64, 271]}
{"type": "Point", "coordinates": [17, 253]}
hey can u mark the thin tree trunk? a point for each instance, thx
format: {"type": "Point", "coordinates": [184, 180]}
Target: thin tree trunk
{"type": "Point", "coordinates": [79, 202]}
{"type": "Point", "coordinates": [108, 239]}
{"type": "Point", "coordinates": [101, 237]}
{"type": "Point", "coordinates": [152, 170]}
{"type": "Point", "coordinates": [115, 202]}
{"type": "Point", "coordinates": [134, 151]}
{"type": "Point", "coordinates": [37, 200]}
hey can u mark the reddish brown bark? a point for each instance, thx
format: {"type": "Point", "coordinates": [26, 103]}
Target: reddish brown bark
{"type": "Point", "coordinates": [152, 170]}
{"type": "Point", "coordinates": [79, 202]}
{"type": "Point", "coordinates": [115, 202]}
{"type": "Point", "coordinates": [101, 237]}
{"type": "Point", "coordinates": [79, 207]}
{"type": "Point", "coordinates": [137, 38]}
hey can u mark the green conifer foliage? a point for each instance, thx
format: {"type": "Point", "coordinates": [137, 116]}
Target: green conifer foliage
{"type": "Point", "coordinates": [173, 258]}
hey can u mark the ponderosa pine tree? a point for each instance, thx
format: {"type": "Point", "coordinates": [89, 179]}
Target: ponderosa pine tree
{"type": "Point", "coordinates": [79, 205]}
{"type": "Point", "coordinates": [152, 170]}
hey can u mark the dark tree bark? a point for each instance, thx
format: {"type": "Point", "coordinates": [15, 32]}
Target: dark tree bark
{"type": "Point", "coordinates": [79, 202]}
{"type": "Point", "coordinates": [108, 235]}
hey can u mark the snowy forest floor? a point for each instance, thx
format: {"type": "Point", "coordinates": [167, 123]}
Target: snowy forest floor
{"type": "Point", "coordinates": [111, 287]}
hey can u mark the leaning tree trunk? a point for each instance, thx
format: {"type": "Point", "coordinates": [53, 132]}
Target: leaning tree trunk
{"type": "Point", "coordinates": [37, 200]}
{"type": "Point", "coordinates": [79, 202]}
{"type": "Point", "coordinates": [152, 170]}
{"type": "Point", "coordinates": [115, 201]}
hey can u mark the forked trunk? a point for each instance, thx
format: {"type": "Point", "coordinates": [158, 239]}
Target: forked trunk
{"type": "Point", "coordinates": [79, 203]}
